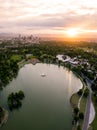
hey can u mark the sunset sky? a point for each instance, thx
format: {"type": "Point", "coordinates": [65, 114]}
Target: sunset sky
{"type": "Point", "coordinates": [62, 17]}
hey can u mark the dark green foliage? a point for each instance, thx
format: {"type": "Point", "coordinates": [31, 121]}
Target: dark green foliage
{"type": "Point", "coordinates": [76, 110]}
{"type": "Point", "coordinates": [80, 92]}
{"type": "Point", "coordinates": [14, 100]}
{"type": "Point", "coordinates": [8, 70]}
{"type": "Point", "coordinates": [76, 118]}
{"type": "Point", "coordinates": [1, 112]}
{"type": "Point", "coordinates": [78, 127]}
{"type": "Point", "coordinates": [95, 94]}
{"type": "Point", "coordinates": [20, 94]}
{"type": "Point", "coordinates": [81, 116]}
{"type": "Point", "coordinates": [94, 85]}
{"type": "Point", "coordinates": [86, 92]}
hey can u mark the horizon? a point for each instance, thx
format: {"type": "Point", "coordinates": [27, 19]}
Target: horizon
{"type": "Point", "coordinates": [48, 37]}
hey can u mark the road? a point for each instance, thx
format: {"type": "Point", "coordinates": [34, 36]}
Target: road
{"type": "Point", "coordinates": [88, 105]}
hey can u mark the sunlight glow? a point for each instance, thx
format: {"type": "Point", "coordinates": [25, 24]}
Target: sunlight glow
{"type": "Point", "coordinates": [49, 17]}
{"type": "Point", "coordinates": [72, 32]}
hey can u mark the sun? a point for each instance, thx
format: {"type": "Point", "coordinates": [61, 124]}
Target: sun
{"type": "Point", "coordinates": [72, 32]}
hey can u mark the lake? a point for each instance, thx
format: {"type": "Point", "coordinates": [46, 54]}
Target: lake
{"type": "Point", "coordinates": [46, 105]}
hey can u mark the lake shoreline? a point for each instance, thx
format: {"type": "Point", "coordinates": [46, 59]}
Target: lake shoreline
{"type": "Point", "coordinates": [4, 118]}
{"type": "Point", "coordinates": [27, 69]}
{"type": "Point", "coordinates": [34, 61]}
{"type": "Point", "coordinates": [74, 103]}
{"type": "Point", "coordinates": [92, 109]}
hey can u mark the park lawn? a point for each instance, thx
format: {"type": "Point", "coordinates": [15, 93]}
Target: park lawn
{"type": "Point", "coordinates": [90, 128]}
{"type": "Point", "coordinates": [74, 100]}
{"type": "Point", "coordinates": [82, 108]}
{"type": "Point", "coordinates": [94, 123]}
{"type": "Point", "coordinates": [31, 57]}
{"type": "Point", "coordinates": [16, 57]}
{"type": "Point", "coordinates": [83, 104]}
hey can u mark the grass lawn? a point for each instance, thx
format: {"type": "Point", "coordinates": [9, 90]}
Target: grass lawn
{"type": "Point", "coordinates": [16, 57]}
{"type": "Point", "coordinates": [83, 105]}
{"type": "Point", "coordinates": [94, 123]}
{"type": "Point", "coordinates": [74, 102]}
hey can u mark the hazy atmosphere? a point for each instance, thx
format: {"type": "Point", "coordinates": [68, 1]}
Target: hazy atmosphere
{"type": "Point", "coordinates": [48, 64]}
{"type": "Point", "coordinates": [61, 17]}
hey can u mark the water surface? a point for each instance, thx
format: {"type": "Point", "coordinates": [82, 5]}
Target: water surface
{"type": "Point", "coordinates": [46, 105]}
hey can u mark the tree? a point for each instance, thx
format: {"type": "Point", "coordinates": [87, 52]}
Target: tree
{"type": "Point", "coordinates": [76, 110]}
{"type": "Point", "coordinates": [21, 95]}
{"type": "Point", "coordinates": [76, 118]}
{"type": "Point", "coordinates": [80, 92]}
{"type": "Point", "coordinates": [14, 100]}
{"type": "Point", "coordinates": [78, 127]}
{"type": "Point", "coordinates": [81, 116]}
{"type": "Point", "coordinates": [1, 112]}
{"type": "Point", "coordinates": [86, 92]}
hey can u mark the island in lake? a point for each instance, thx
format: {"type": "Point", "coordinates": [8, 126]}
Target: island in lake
{"type": "Point", "coordinates": [14, 100]}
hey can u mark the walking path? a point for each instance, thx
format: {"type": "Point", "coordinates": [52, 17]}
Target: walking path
{"type": "Point", "coordinates": [81, 97]}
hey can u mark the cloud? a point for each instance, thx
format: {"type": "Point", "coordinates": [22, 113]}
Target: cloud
{"type": "Point", "coordinates": [49, 15]}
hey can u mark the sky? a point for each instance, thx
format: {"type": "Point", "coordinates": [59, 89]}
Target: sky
{"type": "Point", "coordinates": [55, 17]}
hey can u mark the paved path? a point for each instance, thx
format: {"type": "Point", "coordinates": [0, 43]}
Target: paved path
{"type": "Point", "coordinates": [79, 101]}
{"type": "Point", "coordinates": [88, 105]}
